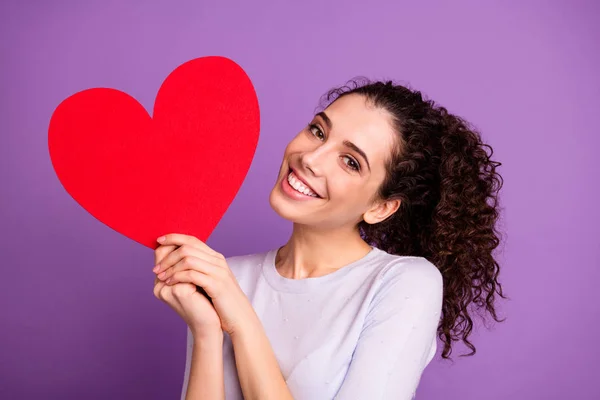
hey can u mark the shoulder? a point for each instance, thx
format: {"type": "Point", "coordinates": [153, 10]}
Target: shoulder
{"type": "Point", "coordinates": [246, 258]}
{"type": "Point", "coordinates": [417, 269]}
{"type": "Point", "coordinates": [410, 276]}
{"type": "Point", "coordinates": [407, 292]}
{"type": "Point", "coordinates": [246, 263]}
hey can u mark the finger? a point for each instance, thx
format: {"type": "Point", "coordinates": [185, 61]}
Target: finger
{"type": "Point", "coordinates": [181, 239]}
{"type": "Point", "coordinates": [192, 263]}
{"type": "Point", "coordinates": [163, 292]}
{"type": "Point", "coordinates": [168, 295]}
{"type": "Point", "coordinates": [161, 251]}
{"type": "Point", "coordinates": [182, 290]}
{"type": "Point", "coordinates": [159, 254]}
{"type": "Point", "coordinates": [158, 285]}
{"type": "Point", "coordinates": [186, 251]}
{"type": "Point", "coordinates": [208, 283]}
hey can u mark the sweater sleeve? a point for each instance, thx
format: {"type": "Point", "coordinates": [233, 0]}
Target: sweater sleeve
{"type": "Point", "coordinates": [398, 334]}
{"type": "Point", "coordinates": [188, 362]}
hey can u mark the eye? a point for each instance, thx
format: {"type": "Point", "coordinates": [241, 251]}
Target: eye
{"type": "Point", "coordinates": [352, 163]}
{"type": "Point", "coordinates": [316, 131]}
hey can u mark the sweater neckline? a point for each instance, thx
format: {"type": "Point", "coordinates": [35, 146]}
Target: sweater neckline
{"type": "Point", "coordinates": [304, 285]}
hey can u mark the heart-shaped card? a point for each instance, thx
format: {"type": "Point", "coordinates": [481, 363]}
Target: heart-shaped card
{"type": "Point", "coordinates": [175, 171]}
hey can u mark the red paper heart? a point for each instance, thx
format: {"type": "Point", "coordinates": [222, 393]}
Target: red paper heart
{"type": "Point", "coordinates": [177, 171]}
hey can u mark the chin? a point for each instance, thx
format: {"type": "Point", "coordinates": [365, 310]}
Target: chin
{"type": "Point", "coordinates": [279, 205]}
{"type": "Point", "coordinates": [286, 210]}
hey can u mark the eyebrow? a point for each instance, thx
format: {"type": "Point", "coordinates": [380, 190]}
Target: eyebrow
{"type": "Point", "coordinates": [346, 142]}
{"type": "Point", "coordinates": [326, 119]}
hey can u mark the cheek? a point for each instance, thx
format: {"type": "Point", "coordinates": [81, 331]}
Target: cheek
{"type": "Point", "coordinates": [358, 193]}
{"type": "Point", "coordinates": [345, 189]}
{"type": "Point", "coordinates": [295, 147]}
{"type": "Point", "coordinates": [301, 141]}
{"type": "Point", "coordinates": [291, 147]}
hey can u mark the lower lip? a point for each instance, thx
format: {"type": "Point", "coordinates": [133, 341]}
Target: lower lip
{"type": "Point", "coordinates": [292, 193]}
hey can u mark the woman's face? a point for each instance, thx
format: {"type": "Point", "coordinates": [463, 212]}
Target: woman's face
{"type": "Point", "coordinates": [340, 156]}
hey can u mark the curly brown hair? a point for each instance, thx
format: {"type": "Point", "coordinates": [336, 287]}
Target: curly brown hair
{"type": "Point", "coordinates": [448, 187]}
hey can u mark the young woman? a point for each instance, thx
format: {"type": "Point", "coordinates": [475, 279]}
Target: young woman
{"type": "Point", "coordinates": [394, 207]}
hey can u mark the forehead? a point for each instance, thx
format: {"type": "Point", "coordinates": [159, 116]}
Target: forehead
{"type": "Point", "coordinates": [367, 126]}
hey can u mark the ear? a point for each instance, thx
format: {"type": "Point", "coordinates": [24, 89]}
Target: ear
{"type": "Point", "coordinates": [381, 211]}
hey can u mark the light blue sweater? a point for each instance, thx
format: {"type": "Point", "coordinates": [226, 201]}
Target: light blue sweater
{"type": "Point", "coordinates": [364, 332]}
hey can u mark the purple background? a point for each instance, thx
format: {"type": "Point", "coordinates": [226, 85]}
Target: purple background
{"type": "Point", "coordinates": [78, 316]}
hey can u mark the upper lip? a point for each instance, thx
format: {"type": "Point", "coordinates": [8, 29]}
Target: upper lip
{"type": "Point", "coordinates": [303, 180]}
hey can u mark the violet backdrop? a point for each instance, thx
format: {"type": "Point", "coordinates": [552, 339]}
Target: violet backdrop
{"type": "Point", "coordinates": [79, 320]}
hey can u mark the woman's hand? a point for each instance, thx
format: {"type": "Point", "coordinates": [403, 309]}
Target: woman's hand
{"type": "Point", "coordinates": [195, 263]}
{"type": "Point", "coordinates": [193, 307]}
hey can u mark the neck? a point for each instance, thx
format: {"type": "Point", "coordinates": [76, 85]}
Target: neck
{"type": "Point", "coordinates": [311, 252]}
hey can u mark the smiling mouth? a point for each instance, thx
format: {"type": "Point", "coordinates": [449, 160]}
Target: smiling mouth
{"type": "Point", "coordinates": [298, 186]}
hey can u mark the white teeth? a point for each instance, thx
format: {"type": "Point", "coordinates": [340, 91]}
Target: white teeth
{"type": "Point", "coordinates": [299, 187]}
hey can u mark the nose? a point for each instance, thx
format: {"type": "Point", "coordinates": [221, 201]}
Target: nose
{"type": "Point", "coordinates": [309, 167]}
{"type": "Point", "coordinates": [313, 161]}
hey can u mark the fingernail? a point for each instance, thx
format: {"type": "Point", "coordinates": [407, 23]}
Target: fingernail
{"type": "Point", "coordinates": [168, 280]}
{"type": "Point", "coordinates": [162, 275]}
{"type": "Point", "coordinates": [161, 239]}
{"type": "Point", "coordinates": [156, 268]}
